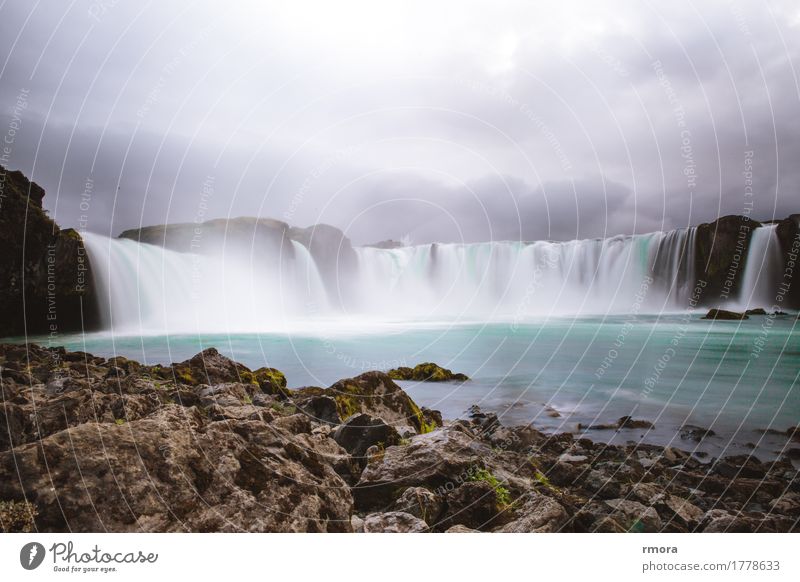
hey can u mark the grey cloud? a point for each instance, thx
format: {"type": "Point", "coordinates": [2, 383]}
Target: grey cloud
{"type": "Point", "coordinates": [572, 133]}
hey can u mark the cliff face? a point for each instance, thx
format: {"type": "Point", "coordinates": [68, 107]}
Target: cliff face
{"type": "Point", "coordinates": [789, 237]}
{"type": "Point", "coordinates": [45, 272]}
{"type": "Point", "coordinates": [721, 249]}
{"type": "Point", "coordinates": [720, 255]}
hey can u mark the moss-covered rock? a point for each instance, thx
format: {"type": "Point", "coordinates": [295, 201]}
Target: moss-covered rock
{"type": "Point", "coordinates": [427, 372]}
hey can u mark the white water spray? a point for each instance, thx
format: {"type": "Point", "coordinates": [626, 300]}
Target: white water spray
{"type": "Point", "coordinates": [148, 289]}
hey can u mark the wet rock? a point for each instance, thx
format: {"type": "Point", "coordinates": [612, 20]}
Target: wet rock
{"type": "Point", "coordinates": [756, 311]}
{"type": "Point", "coordinates": [394, 522]}
{"type": "Point", "coordinates": [725, 315]}
{"type": "Point", "coordinates": [628, 422]}
{"type": "Point", "coordinates": [482, 422]}
{"type": "Point", "coordinates": [427, 372]}
{"type": "Point", "coordinates": [622, 422]}
{"type": "Point", "coordinates": [695, 433]}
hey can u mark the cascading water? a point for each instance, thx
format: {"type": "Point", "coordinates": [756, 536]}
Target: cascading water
{"type": "Point", "coordinates": [149, 289]}
{"type": "Point", "coordinates": [762, 269]}
{"type": "Point", "coordinates": [516, 280]}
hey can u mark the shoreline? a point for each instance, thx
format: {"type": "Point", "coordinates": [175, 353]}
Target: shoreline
{"type": "Point", "coordinates": [209, 445]}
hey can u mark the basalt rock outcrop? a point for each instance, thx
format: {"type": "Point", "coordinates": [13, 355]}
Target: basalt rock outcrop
{"type": "Point", "coordinates": [95, 444]}
{"type": "Point", "coordinates": [45, 276]}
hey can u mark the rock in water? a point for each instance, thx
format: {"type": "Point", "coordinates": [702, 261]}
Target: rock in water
{"type": "Point", "coordinates": [725, 315]}
{"type": "Point", "coordinates": [427, 372]}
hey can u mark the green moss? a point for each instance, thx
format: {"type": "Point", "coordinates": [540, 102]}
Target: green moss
{"type": "Point", "coordinates": [247, 399]}
{"type": "Point", "coordinates": [427, 427]}
{"type": "Point", "coordinates": [283, 409]}
{"type": "Point", "coordinates": [347, 406]}
{"type": "Point", "coordinates": [120, 421]}
{"type": "Point", "coordinates": [502, 495]}
{"type": "Point", "coordinates": [422, 425]}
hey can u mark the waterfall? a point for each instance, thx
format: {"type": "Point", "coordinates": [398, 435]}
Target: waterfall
{"type": "Point", "coordinates": [148, 289]}
{"type": "Point", "coordinates": [145, 288]}
{"type": "Point", "coordinates": [516, 280]}
{"type": "Point", "coordinates": [761, 270]}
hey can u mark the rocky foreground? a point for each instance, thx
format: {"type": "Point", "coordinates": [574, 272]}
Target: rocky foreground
{"type": "Point", "coordinates": [207, 445]}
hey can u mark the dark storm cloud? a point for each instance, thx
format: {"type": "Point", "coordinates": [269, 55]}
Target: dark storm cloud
{"type": "Point", "coordinates": [460, 122]}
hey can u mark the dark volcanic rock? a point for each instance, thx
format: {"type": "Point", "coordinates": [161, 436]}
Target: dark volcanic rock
{"type": "Point", "coordinates": [756, 311]}
{"type": "Point", "coordinates": [723, 314]}
{"type": "Point", "coordinates": [362, 431]}
{"type": "Point", "coordinates": [622, 422]}
{"type": "Point", "coordinates": [43, 268]}
{"type": "Point", "coordinates": [695, 433]}
{"type": "Point", "coordinates": [788, 232]}
{"type": "Point", "coordinates": [427, 372]}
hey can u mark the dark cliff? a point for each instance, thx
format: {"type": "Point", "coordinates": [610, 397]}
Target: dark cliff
{"type": "Point", "coordinates": [46, 276]}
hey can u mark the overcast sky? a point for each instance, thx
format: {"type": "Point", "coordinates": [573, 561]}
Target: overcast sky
{"type": "Point", "coordinates": [430, 121]}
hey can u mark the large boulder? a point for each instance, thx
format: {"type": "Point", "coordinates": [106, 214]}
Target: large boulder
{"type": "Point", "coordinates": [176, 470]}
{"type": "Point", "coordinates": [420, 502]}
{"type": "Point", "coordinates": [538, 514]}
{"type": "Point", "coordinates": [376, 394]}
{"type": "Point", "coordinates": [211, 367]}
{"type": "Point", "coordinates": [441, 460]}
